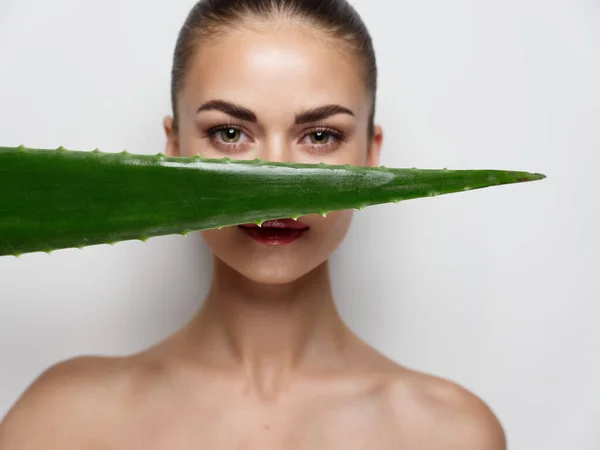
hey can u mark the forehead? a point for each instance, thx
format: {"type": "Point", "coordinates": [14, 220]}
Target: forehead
{"type": "Point", "coordinates": [275, 69]}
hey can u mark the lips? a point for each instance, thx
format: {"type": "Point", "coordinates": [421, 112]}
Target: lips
{"type": "Point", "coordinates": [275, 232]}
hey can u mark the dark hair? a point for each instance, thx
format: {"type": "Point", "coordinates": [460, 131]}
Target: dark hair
{"type": "Point", "coordinates": [336, 17]}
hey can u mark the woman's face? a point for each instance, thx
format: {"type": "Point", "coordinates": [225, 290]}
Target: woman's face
{"type": "Point", "coordinates": [278, 92]}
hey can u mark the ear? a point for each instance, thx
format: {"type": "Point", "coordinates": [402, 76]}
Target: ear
{"type": "Point", "coordinates": [375, 147]}
{"type": "Point", "coordinates": [172, 148]}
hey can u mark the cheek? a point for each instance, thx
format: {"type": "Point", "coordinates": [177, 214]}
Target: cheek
{"type": "Point", "coordinates": [333, 229]}
{"type": "Point", "coordinates": [219, 241]}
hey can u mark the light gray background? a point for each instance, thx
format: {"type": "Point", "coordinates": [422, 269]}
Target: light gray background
{"type": "Point", "coordinates": [495, 289]}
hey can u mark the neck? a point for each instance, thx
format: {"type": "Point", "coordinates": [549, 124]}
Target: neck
{"type": "Point", "coordinates": [273, 328]}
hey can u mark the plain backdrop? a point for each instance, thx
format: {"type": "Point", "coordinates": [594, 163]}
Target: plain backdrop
{"type": "Point", "coordinates": [496, 289]}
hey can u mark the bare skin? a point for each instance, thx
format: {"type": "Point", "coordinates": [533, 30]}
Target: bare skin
{"type": "Point", "coordinates": [267, 363]}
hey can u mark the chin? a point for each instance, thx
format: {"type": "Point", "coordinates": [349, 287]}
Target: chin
{"type": "Point", "coordinates": [269, 271]}
{"type": "Point", "coordinates": [247, 251]}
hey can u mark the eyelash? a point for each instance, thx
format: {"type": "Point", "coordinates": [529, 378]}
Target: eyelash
{"type": "Point", "coordinates": [338, 139]}
{"type": "Point", "coordinates": [337, 136]}
{"type": "Point", "coordinates": [212, 132]}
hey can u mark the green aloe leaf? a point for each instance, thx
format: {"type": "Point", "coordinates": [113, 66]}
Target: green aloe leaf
{"type": "Point", "coordinates": [53, 199]}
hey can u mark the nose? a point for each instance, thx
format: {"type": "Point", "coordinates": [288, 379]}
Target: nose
{"type": "Point", "coordinates": [276, 148]}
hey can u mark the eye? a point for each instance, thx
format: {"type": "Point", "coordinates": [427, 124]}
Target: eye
{"type": "Point", "coordinates": [319, 137]}
{"type": "Point", "coordinates": [323, 139]}
{"type": "Point", "coordinates": [229, 135]}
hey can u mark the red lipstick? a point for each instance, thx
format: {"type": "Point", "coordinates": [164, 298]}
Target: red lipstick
{"type": "Point", "coordinates": [275, 232]}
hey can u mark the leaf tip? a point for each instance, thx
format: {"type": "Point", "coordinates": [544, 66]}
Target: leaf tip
{"type": "Point", "coordinates": [531, 177]}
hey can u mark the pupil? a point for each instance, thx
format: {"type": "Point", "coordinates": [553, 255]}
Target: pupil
{"type": "Point", "coordinates": [319, 136]}
{"type": "Point", "coordinates": [231, 134]}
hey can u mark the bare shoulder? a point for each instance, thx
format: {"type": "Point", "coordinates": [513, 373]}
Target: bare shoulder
{"type": "Point", "coordinates": [444, 414]}
{"type": "Point", "coordinates": [64, 403]}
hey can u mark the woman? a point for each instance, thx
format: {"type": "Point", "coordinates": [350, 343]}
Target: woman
{"type": "Point", "coordinates": [267, 363]}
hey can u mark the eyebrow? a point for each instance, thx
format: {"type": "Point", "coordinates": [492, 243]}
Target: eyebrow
{"type": "Point", "coordinates": [230, 109]}
{"type": "Point", "coordinates": [242, 113]}
{"type": "Point", "coordinates": [320, 113]}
